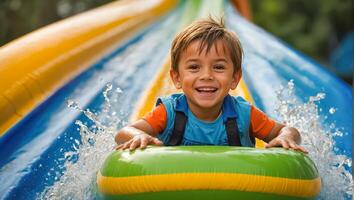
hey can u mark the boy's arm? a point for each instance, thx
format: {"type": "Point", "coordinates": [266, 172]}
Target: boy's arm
{"type": "Point", "coordinates": [144, 131]}
{"type": "Point", "coordinates": [276, 134]}
{"type": "Point", "coordinates": [284, 136]}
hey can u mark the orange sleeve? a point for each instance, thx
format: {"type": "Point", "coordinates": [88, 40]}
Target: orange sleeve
{"type": "Point", "coordinates": [261, 124]}
{"type": "Point", "coordinates": [157, 118]}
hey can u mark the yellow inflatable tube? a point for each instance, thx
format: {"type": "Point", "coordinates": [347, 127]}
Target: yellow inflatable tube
{"type": "Point", "coordinates": [36, 65]}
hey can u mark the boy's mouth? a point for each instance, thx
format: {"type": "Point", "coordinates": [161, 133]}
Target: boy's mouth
{"type": "Point", "coordinates": [206, 89]}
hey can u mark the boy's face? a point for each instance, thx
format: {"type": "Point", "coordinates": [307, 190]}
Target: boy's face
{"type": "Point", "coordinates": [205, 78]}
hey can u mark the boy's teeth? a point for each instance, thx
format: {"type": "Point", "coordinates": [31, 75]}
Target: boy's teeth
{"type": "Point", "coordinates": [206, 89]}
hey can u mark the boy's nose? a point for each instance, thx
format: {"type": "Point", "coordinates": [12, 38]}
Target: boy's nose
{"type": "Point", "coordinates": [207, 74]}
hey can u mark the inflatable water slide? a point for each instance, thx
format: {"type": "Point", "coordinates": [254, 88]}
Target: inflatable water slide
{"type": "Point", "coordinates": [66, 89]}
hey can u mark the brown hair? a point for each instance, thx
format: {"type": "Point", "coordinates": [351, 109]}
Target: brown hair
{"type": "Point", "coordinates": [208, 31]}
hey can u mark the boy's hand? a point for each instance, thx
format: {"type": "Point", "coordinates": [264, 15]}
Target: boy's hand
{"type": "Point", "coordinates": [138, 135]}
{"type": "Point", "coordinates": [140, 141]}
{"type": "Point", "coordinates": [286, 137]}
{"type": "Point", "coordinates": [286, 143]}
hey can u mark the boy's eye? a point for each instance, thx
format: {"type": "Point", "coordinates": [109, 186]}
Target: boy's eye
{"type": "Point", "coordinates": [219, 67]}
{"type": "Point", "coordinates": [193, 67]}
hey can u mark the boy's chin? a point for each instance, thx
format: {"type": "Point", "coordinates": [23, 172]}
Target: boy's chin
{"type": "Point", "coordinates": [206, 96]}
{"type": "Point", "coordinates": [206, 103]}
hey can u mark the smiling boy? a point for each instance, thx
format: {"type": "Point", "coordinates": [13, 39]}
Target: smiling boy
{"type": "Point", "coordinates": [206, 64]}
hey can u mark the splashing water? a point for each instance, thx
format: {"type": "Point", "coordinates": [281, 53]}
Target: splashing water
{"type": "Point", "coordinates": [337, 182]}
{"type": "Point", "coordinates": [82, 164]}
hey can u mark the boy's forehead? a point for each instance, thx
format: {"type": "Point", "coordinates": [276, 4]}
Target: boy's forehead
{"type": "Point", "coordinates": [200, 47]}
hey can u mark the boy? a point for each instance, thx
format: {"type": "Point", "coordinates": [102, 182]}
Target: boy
{"type": "Point", "coordinates": [206, 64]}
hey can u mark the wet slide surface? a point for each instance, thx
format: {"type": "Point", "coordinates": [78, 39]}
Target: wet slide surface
{"type": "Point", "coordinates": [34, 151]}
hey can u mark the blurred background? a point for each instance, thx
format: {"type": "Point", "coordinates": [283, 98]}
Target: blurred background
{"type": "Point", "coordinates": [321, 29]}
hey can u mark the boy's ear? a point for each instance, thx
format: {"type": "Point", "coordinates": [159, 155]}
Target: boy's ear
{"type": "Point", "coordinates": [176, 79]}
{"type": "Point", "coordinates": [236, 79]}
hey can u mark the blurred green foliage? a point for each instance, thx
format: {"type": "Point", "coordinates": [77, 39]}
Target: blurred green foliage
{"type": "Point", "coordinates": [314, 27]}
{"type": "Point", "coordinates": [18, 17]}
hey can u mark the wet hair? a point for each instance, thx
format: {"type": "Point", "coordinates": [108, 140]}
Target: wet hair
{"type": "Point", "coordinates": [208, 31]}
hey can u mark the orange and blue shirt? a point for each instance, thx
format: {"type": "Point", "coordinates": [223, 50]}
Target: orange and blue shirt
{"type": "Point", "coordinates": [250, 120]}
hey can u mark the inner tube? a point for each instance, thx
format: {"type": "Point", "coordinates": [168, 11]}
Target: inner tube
{"type": "Point", "coordinates": [208, 172]}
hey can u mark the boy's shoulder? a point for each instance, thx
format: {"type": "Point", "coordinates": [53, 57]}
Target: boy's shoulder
{"type": "Point", "coordinates": [240, 99]}
{"type": "Point", "coordinates": [235, 104]}
{"type": "Point", "coordinates": [169, 98]}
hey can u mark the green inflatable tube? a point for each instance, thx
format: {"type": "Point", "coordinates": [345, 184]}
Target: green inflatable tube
{"type": "Point", "coordinates": [208, 172]}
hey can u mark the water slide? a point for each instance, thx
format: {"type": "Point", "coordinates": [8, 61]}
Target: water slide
{"type": "Point", "coordinates": [66, 88]}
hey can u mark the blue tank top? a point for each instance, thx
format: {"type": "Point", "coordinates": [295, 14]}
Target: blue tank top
{"type": "Point", "coordinates": [198, 132]}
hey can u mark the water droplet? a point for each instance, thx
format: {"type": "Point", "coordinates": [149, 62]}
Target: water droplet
{"type": "Point", "coordinates": [332, 110]}
{"type": "Point", "coordinates": [72, 104]}
{"type": "Point", "coordinates": [321, 96]}
{"type": "Point", "coordinates": [109, 86]}
{"type": "Point", "coordinates": [338, 133]}
{"type": "Point", "coordinates": [118, 90]}
{"type": "Point", "coordinates": [318, 97]}
{"type": "Point", "coordinates": [91, 141]}
{"type": "Point", "coordinates": [291, 84]}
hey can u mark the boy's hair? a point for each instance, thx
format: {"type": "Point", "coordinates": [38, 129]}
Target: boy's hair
{"type": "Point", "coordinates": [208, 31]}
